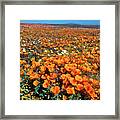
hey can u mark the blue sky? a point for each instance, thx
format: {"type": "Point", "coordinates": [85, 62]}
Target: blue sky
{"type": "Point", "coordinates": [84, 22]}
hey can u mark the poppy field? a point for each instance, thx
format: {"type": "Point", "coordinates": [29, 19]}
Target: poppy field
{"type": "Point", "coordinates": [59, 62]}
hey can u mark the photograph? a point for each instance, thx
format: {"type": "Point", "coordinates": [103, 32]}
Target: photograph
{"type": "Point", "coordinates": [61, 55]}
{"type": "Point", "coordinates": [59, 59]}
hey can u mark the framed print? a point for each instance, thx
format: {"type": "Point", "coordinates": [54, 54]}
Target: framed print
{"type": "Point", "coordinates": [60, 59]}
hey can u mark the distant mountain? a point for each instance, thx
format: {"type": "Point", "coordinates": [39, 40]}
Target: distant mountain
{"type": "Point", "coordinates": [63, 25]}
{"type": "Point", "coordinates": [77, 25]}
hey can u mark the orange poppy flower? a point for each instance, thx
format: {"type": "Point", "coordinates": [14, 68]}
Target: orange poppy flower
{"type": "Point", "coordinates": [36, 82]}
{"type": "Point", "coordinates": [78, 72]}
{"type": "Point", "coordinates": [66, 59]}
{"type": "Point", "coordinates": [95, 66]}
{"type": "Point", "coordinates": [50, 68]}
{"type": "Point", "coordinates": [42, 68]}
{"type": "Point", "coordinates": [79, 87]}
{"type": "Point", "coordinates": [85, 79]}
{"type": "Point", "coordinates": [33, 65]}
{"type": "Point", "coordinates": [37, 64]}
{"type": "Point", "coordinates": [63, 76]}
{"type": "Point", "coordinates": [43, 77]}
{"type": "Point", "coordinates": [72, 81]}
{"type": "Point", "coordinates": [90, 90]}
{"type": "Point", "coordinates": [75, 65]}
{"type": "Point", "coordinates": [75, 72]}
{"type": "Point", "coordinates": [26, 66]}
{"type": "Point", "coordinates": [34, 76]}
{"type": "Point", "coordinates": [58, 61]}
{"type": "Point", "coordinates": [22, 62]}
{"type": "Point", "coordinates": [88, 69]}
{"type": "Point", "coordinates": [78, 78]}
{"type": "Point", "coordinates": [46, 84]}
{"type": "Point", "coordinates": [46, 63]}
{"type": "Point", "coordinates": [30, 72]}
{"type": "Point", "coordinates": [67, 67]}
{"type": "Point", "coordinates": [94, 72]}
{"type": "Point", "coordinates": [95, 82]}
{"type": "Point", "coordinates": [53, 81]}
{"type": "Point", "coordinates": [55, 89]}
{"type": "Point", "coordinates": [21, 72]}
{"type": "Point", "coordinates": [48, 77]}
{"type": "Point", "coordinates": [62, 70]}
{"type": "Point", "coordinates": [70, 90]}
{"type": "Point", "coordinates": [53, 75]}
{"type": "Point", "coordinates": [44, 58]}
{"type": "Point", "coordinates": [61, 48]}
{"type": "Point", "coordinates": [68, 75]}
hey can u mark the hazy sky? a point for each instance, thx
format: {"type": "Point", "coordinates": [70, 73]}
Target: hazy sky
{"type": "Point", "coordinates": [84, 22]}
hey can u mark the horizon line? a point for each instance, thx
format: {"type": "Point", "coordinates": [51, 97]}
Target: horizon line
{"type": "Point", "coordinates": [58, 24]}
{"type": "Point", "coordinates": [80, 22]}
